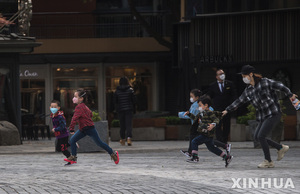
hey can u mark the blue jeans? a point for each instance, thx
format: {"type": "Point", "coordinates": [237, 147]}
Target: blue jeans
{"type": "Point", "coordinates": [209, 142]}
{"type": "Point", "coordinates": [93, 134]}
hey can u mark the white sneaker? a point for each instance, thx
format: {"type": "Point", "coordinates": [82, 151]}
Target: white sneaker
{"type": "Point", "coordinates": [282, 151]}
{"type": "Point", "coordinates": [266, 164]}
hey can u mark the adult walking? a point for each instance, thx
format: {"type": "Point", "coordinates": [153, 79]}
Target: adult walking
{"type": "Point", "coordinates": [223, 93]}
{"type": "Point", "coordinates": [261, 93]}
{"type": "Point", "coordinates": [125, 101]}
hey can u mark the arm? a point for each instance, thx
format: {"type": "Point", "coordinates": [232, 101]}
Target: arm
{"type": "Point", "coordinates": [62, 124]}
{"type": "Point", "coordinates": [194, 117]}
{"type": "Point", "coordinates": [278, 86]}
{"type": "Point", "coordinates": [238, 102]}
{"type": "Point", "coordinates": [75, 118]}
{"type": "Point", "coordinates": [215, 121]}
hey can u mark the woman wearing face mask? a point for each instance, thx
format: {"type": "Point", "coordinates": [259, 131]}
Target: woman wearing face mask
{"type": "Point", "coordinates": [261, 93]}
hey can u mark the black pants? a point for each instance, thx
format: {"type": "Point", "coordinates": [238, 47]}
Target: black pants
{"type": "Point", "coordinates": [62, 146]}
{"type": "Point", "coordinates": [125, 118]}
{"type": "Point", "coordinates": [193, 133]}
{"type": "Point", "coordinates": [223, 129]}
{"type": "Point", "coordinates": [261, 132]}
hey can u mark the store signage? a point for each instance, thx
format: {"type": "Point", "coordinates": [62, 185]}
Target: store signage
{"type": "Point", "coordinates": [215, 59]}
{"type": "Point", "coordinates": [27, 73]}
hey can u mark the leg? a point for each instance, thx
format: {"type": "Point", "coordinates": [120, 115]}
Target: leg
{"type": "Point", "coordinates": [219, 132]}
{"type": "Point", "coordinates": [95, 136]}
{"type": "Point", "coordinates": [62, 146]}
{"type": "Point", "coordinates": [209, 142]}
{"type": "Point", "coordinates": [226, 128]}
{"type": "Point", "coordinates": [266, 127]}
{"type": "Point", "coordinates": [122, 124]}
{"type": "Point", "coordinates": [193, 133]}
{"type": "Point", "coordinates": [76, 137]}
{"type": "Point", "coordinates": [128, 123]}
{"type": "Point", "coordinates": [220, 144]}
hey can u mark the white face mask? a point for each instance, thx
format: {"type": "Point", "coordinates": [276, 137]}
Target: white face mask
{"type": "Point", "coordinates": [201, 109]}
{"type": "Point", "coordinates": [246, 80]}
{"type": "Point", "coordinates": [192, 100]}
{"type": "Point", "coordinates": [222, 77]}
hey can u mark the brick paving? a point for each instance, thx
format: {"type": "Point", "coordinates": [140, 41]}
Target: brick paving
{"type": "Point", "coordinates": [161, 171]}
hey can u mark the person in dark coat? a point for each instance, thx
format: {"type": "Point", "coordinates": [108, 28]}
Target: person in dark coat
{"type": "Point", "coordinates": [125, 102]}
{"type": "Point", "coordinates": [223, 93]}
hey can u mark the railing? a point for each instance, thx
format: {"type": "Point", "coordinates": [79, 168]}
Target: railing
{"type": "Point", "coordinates": [92, 25]}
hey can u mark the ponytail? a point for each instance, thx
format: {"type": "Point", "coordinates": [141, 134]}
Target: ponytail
{"type": "Point", "coordinates": [86, 95]}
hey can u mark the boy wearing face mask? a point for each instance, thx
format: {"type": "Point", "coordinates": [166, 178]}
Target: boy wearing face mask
{"type": "Point", "coordinates": [59, 128]}
{"type": "Point", "coordinates": [207, 121]}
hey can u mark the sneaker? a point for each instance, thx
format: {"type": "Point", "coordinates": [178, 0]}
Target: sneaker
{"type": "Point", "coordinates": [71, 159]}
{"type": "Point", "coordinates": [228, 149]}
{"type": "Point", "coordinates": [186, 153]}
{"type": "Point", "coordinates": [129, 143]}
{"type": "Point", "coordinates": [122, 142]}
{"type": "Point", "coordinates": [227, 159]}
{"type": "Point", "coordinates": [115, 157]}
{"type": "Point", "coordinates": [282, 151]}
{"type": "Point", "coordinates": [194, 159]}
{"type": "Point", "coordinates": [266, 164]}
{"type": "Point", "coordinates": [69, 163]}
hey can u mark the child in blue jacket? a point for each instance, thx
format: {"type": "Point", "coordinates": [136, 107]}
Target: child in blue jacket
{"type": "Point", "coordinates": [194, 109]}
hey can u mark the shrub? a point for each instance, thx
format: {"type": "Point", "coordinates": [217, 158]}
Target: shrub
{"type": "Point", "coordinates": [174, 120]}
{"type": "Point", "coordinates": [96, 117]}
{"type": "Point", "coordinates": [115, 123]}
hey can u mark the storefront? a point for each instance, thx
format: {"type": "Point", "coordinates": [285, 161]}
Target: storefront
{"type": "Point", "coordinates": [42, 83]}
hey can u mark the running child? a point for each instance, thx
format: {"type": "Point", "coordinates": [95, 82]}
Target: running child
{"type": "Point", "coordinates": [207, 122]}
{"type": "Point", "coordinates": [59, 128]}
{"type": "Point", "coordinates": [83, 116]}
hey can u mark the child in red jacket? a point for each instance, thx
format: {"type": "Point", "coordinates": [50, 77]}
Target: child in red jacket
{"type": "Point", "coordinates": [83, 116]}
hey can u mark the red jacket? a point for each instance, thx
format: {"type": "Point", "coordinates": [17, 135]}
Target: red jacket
{"type": "Point", "coordinates": [82, 116]}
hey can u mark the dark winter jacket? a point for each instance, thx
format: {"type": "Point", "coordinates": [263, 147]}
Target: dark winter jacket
{"type": "Point", "coordinates": [124, 99]}
{"type": "Point", "coordinates": [59, 125]}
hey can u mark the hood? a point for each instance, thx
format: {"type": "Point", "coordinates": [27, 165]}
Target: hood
{"type": "Point", "coordinates": [58, 113]}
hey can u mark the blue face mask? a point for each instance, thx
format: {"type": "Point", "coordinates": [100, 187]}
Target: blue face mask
{"type": "Point", "coordinates": [54, 110]}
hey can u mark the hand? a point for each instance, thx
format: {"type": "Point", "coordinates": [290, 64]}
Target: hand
{"type": "Point", "coordinates": [210, 127]}
{"type": "Point", "coordinates": [53, 130]}
{"type": "Point", "coordinates": [187, 112]}
{"type": "Point", "coordinates": [293, 97]}
{"type": "Point", "coordinates": [224, 113]}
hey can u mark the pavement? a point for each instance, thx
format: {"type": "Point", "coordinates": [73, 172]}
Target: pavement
{"type": "Point", "coordinates": [47, 146]}
{"type": "Point", "coordinates": [146, 167]}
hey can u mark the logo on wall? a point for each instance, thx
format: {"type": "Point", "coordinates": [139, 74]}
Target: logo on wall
{"type": "Point", "coordinates": [27, 73]}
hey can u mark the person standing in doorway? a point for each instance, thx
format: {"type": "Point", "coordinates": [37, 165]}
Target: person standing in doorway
{"type": "Point", "coordinates": [261, 93]}
{"type": "Point", "coordinates": [223, 93]}
{"type": "Point", "coordinates": [125, 102]}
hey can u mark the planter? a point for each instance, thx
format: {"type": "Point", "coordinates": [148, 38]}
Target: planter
{"type": "Point", "coordinates": [177, 132]}
{"type": "Point", "coordinates": [238, 132]}
{"type": "Point", "coordinates": [140, 134]}
{"type": "Point", "coordinates": [86, 144]}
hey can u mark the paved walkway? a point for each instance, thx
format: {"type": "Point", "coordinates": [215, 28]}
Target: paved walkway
{"type": "Point", "coordinates": [146, 167]}
{"type": "Point", "coordinates": [47, 146]}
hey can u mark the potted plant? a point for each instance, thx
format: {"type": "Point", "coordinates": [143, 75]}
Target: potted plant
{"type": "Point", "coordinates": [176, 128]}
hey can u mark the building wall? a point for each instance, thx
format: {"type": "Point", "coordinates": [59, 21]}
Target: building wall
{"type": "Point", "coordinates": [103, 45]}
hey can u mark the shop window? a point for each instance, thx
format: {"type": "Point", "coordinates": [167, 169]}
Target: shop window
{"type": "Point", "coordinates": [33, 99]}
{"type": "Point", "coordinates": [141, 81]}
{"type": "Point", "coordinates": [67, 80]}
